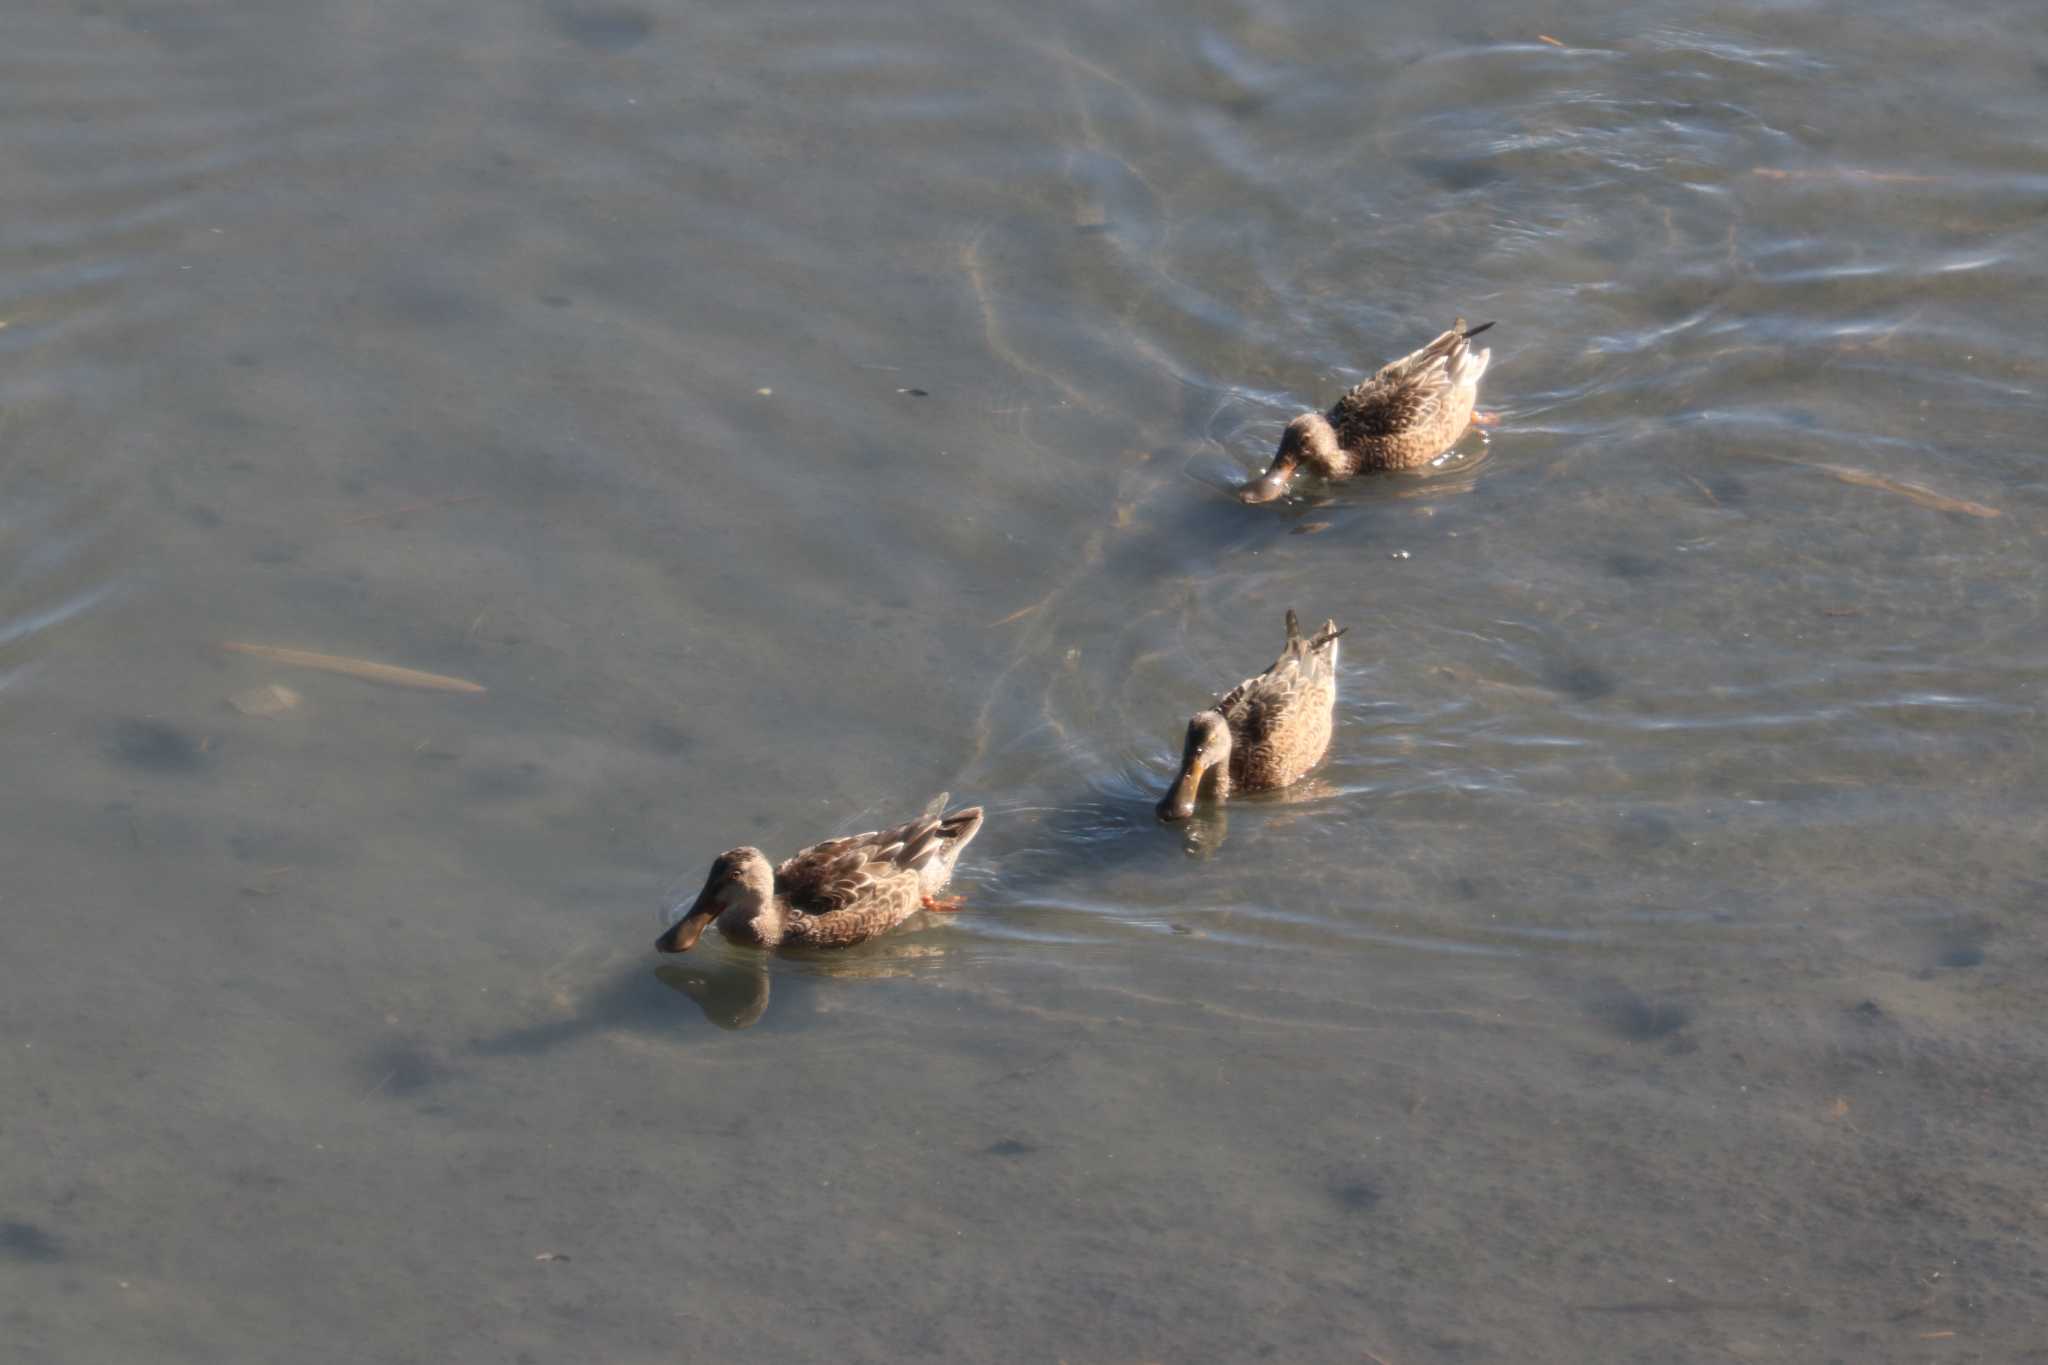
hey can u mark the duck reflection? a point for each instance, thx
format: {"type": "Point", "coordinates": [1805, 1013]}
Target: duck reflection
{"type": "Point", "coordinates": [730, 987]}
{"type": "Point", "coordinates": [1202, 834]}
{"type": "Point", "coordinates": [733, 996]}
{"type": "Point", "coordinates": [625, 1001]}
{"type": "Point", "coordinates": [733, 993]}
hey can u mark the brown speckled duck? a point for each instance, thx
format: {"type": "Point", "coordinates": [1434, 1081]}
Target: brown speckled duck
{"type": "Point", "coordinates": [830, 895]}
{"type": "Point", "coordinates": [1267, 731]}
{"type": "Point", "coordinates": [1409, 413]}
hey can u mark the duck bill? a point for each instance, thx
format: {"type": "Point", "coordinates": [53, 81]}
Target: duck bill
{"type": "Point", "coordinates": [1179, 801]}
{"type": "Point", "coordinates": [1271, 484]}
{"type": "Point", "coordinates": [684, 933]}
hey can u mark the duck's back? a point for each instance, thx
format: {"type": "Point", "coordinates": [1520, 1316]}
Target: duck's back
{"type": "Point", "coordinates": [854, 887]}
{"type": "Point", "coordinates": [1280, 721]}
{"type": "Point", "coordinates": [1415, 408]}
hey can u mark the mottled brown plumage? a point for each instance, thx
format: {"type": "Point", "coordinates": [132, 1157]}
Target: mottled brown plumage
{"type": "Point", "coordinates": [1409, 413]}
{"type": "Point", "coordinates": [832, 894]}
{"type": "Point", "coordinates": [1267, 731]}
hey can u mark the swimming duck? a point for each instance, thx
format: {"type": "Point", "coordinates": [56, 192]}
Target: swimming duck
{"type": "Point", "coordinates": [1409, 413]}
{"type": "Point", "coordinates": [1267, 731]}
{"type": "Point", "coordinates": [830, 895]}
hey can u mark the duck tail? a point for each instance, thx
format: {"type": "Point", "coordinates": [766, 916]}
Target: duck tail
{"type": "Point", "coordinates": [1465, 364]}
{"type": "Point", "coordinates": [1299, 644]}
{"type": "Point", "coordinates": [933, 847]}
{"type": "Point", "coordinates": [959, 827]}
{"type": "Point", "coordinates": [941, 826]}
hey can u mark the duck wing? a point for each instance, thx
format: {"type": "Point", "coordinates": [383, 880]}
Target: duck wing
{"type": "Point", "coordinates": [1258, 708]}
{"type": "Point", "coordinates": [839, 873]}
{"type": "Point", "coordinates": [1280, 721]}
{"type": "Point", "coordinates": [1408, 393]}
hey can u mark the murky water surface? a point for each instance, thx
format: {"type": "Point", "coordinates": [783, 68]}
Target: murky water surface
{"type": "Point", "coordinates": [791, 411]}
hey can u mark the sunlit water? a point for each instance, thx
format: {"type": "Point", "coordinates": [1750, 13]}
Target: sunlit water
{"type": "Point", "coordinates": [789, 412]}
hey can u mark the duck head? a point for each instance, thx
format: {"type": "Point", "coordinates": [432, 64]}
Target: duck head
{"type": "Point", "coordinates": [1309, 439]}
{"type": "Point", "coordinates": [1207, 750]}
{"type": "Point", "coordinates": [740, 890]}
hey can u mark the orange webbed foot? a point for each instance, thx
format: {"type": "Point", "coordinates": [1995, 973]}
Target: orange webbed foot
{"type": "Point", "coordinates": [1485, 419]}
{"type": "Point", "coordinates": [945, 906]}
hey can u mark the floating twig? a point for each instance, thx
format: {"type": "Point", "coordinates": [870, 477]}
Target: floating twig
{"type": "Point", "coordinates": [368, 671]}
{"type": "Point", "coordinates": [1018, 614]}
{"type": "Point", "coordinates": [1848, 173]}
{"type": "Point", "coordinates": [1919, 493]}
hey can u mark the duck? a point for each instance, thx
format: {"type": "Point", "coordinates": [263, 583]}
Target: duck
{"type": "Point", "coordinates": [1406, 415]}
{"type": "Point", "coordinates": [1266, 732]}
{"type": "Point", "coordinates": [833, 894]}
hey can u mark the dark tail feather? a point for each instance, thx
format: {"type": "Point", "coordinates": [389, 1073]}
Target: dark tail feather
{"type": "Point", "coordinates": [1476, 330]}
{"type": "Point", "coordinates": [960, 826]}
{"type": "Point", "coordinates": [1310, 644]}
{"type": "Point", "coordinates": [932, 838]}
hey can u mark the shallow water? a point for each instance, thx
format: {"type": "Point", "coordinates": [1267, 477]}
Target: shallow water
{"type": "Point", "coordinates": [788, 413]}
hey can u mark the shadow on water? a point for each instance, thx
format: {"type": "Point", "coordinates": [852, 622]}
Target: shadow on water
{"type": "Point", "coordinates": [732, 995]}
{"type": "Point", "coordinates": [1038, 857]}
{"type": "Point", "coordinates": [1051, 851]}
{"type": "Point", "coordinates": [730, 991]}
{"type": "Point", "coordinates": [731, 988]}
{"type": "Point", "coordinates": [1216, 520]}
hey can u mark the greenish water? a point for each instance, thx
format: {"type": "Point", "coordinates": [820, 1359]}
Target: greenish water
{"type": "Point", "coordinates": [790, 412]}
